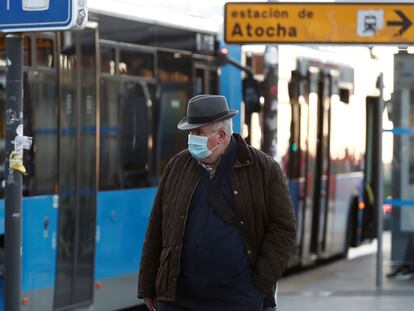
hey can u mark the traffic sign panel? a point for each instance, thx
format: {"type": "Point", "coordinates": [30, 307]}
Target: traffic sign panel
{"type": "Point", "coordinates": [359, 23]}
{"type": "Point", "coordinates": [39, 15]}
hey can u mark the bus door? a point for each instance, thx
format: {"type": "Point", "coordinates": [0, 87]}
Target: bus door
{"type": "Point", "coordinates": [370, 175]}
{"type": "Point", "coordinates": [321, 176]}
{"type": "Point", "coordinates": [309, 129]}
{"type": "Point", "coordinates": [297, 158]}
{"type": "Point", "coordinates": [78, 140]}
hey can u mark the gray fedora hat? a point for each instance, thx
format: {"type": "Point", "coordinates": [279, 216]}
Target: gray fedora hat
{"type": "Point", "coordinates": [205, 109]}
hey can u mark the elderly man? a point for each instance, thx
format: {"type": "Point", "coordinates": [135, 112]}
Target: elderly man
{"type": "Point", "coordinates": [194, 258]}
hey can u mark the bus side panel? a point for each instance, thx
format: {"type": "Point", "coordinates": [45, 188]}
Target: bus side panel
{"type": "Point", "coordinates": [294, 187]}
{"type": "Point", "coordinates": [39, 226]}
{"type": "Point", "coordinates": [295, 190]}
{"type": "Point", "coordinates": [39, 242]}
{"type": "Point", "coordinates": [346, 186]}
{"type": "Point", "coordinates": [122, 218]}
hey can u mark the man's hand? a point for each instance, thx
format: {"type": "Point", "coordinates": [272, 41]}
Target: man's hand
{"type": "Point", "coordinates": [151, 303]}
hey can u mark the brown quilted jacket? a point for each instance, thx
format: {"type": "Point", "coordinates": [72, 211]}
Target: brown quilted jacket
{"type": "Point", "coordinates": [262, 201]}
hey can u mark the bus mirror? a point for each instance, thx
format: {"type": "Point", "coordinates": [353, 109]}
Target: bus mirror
{"type": "Point", "coordinates": [344, 95]}
{"type": "Point", "coordinates": [251, 95]}
{"type": "Point", "coordinates": [388, 107]}
{"type": "Point", "coordinates": [293, 91]}
{"type": "Point", "coordinates": [221, 57]}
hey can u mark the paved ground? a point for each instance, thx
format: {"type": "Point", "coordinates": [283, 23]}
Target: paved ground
{"type": "Point", "coordinates": [346, 285]}
{"type": "Point", "coordinates": [354, 303]}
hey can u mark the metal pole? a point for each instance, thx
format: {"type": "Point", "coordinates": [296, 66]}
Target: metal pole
{"type": "Point", "coordinates": [269, 131]}
{"type": "Point", "coordinates": [269, 115]}
{"type": "Point", "coordinates": [379, 185]}
{"type": "Point", "coordinates": [13, 192]}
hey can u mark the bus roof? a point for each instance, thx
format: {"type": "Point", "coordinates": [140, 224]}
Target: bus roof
{"type": "Point", "coordinates": [202, 16]}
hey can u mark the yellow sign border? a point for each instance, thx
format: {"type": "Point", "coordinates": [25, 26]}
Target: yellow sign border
{"type": "Point", "coordinates": [375, 6]}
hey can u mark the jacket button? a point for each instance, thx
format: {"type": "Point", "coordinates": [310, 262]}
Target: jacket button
{"type": "Point", "coordinates": [174, 279]}
{"type": "Point", "coordinates": [177, 246]}
{"type": "Point", "coordinates": [248, 161]}
{"type": "Point", "coordinates": [182, 216]}
{"type": "Point", "coordinates": [235, 192]}
{"type": "Point", "coordinates": [242, 222]}
{"type": "Point", "coordinates": [249, 252]}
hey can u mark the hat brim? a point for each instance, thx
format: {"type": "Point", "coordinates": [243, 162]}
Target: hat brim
{"type": "Point", "coordinates": [184, 125]}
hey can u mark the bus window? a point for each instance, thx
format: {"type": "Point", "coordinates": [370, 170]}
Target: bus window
{"type": "Point", "coordinates": [136, 63]}
{"type": "Point", "coordinates": [44, 52]}
{"type": "Point", "coordinates": [108, 60]}
{"type": "Point", "coordinates": [214, 84]}
{"type": "Point", "coordinates": [27, 61]}
{"type": "Point", "coordinates": [174, 74]}
{"type": "Point", "coordinates": [135, 132]}
{"type": "Point", "coordinates": [27, 52]}
{"type": "Point", "coordinates": [174, 67]}
{"type": "Point", "coordinates": [125, 136]}
{"type": "Point", "coordinates": [172, 108]}
{"type": "Point", "coordinates": [40, 122]}
{"type": "Point", "coordinates": [200, 81]}
{"type": "Point", "coordinates": [109, 133]}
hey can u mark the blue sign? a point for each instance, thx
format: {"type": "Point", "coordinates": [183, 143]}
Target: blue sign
{"type": "Point", "coordinates": [41, 15]}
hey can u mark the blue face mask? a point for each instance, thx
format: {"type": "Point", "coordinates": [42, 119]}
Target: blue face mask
{"type": "Point", "coordinates": [197, 145]}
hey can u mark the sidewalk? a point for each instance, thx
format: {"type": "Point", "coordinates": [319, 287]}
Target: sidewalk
{"type": "Point", "coordinates": [354, 303]}
{"type": "Point", "coordinates": [345, 285]}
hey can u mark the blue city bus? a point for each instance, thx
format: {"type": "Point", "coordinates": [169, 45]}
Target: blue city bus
{"type": "Point", "coordinates": [321, 131]}
{"type": "Point", "coordinates": [322, 151]}
{"type": "Point", "coordinates": [102, 105]}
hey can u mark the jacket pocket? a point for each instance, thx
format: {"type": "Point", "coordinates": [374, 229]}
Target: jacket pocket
{"type": "Point", "coordinates": [161, 282]}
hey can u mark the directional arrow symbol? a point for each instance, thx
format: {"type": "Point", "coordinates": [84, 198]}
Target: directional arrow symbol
{"type": "Point", "coordinates": [404, 23]}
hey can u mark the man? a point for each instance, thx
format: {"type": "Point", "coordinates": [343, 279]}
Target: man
{"type": "Point", "coordinates": [192, 259]}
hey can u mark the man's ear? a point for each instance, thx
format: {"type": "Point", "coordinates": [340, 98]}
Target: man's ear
{"type": "Point", "coordinates": [222, 135]}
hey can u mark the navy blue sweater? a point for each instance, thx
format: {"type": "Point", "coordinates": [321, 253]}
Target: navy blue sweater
{"type": "Point", "coordinates": [213, 254]}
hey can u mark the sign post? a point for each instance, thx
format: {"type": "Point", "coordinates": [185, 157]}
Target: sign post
{"type": "Point", "coordinates": [314, 23]}
{"type": "Point", "coordinates": [379, 184]}
{"type": "Point", "coordinates": [13, 191]}
{"type": "Point", "coordinates": [19, 16]}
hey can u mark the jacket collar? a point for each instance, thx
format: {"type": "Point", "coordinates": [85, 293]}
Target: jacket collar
{"type": "Point", "coordinates": [244, 157]}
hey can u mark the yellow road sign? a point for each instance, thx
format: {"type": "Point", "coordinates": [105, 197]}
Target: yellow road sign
{"type": "Point", "coordinates": [360, 23]}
